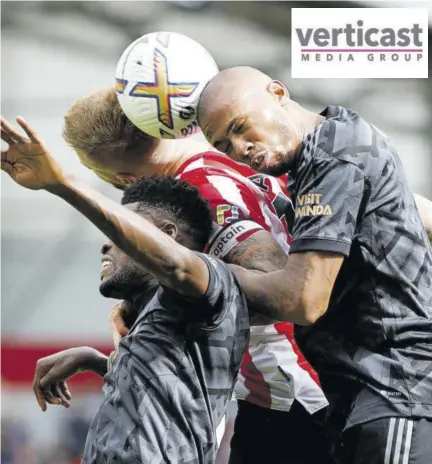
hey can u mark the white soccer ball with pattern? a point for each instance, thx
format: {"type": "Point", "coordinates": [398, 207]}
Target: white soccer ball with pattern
{"type": "Point", "coordinates": [159, 79]}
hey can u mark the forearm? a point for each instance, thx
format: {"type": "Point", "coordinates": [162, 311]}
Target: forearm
{"type": "Point", "coordinates": [271, 296]}
{"type": "Point", "coordinates": [261, 254]}
{"type": "Point", "coordinates": [94, 361]}
{"type": "Point", "coordinates": [136, 236]}
{"type": "Point", "coordinates": [299, 293]}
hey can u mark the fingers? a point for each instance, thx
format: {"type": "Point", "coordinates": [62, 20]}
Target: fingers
{"type": "Point", "coordinates": [120, 326]}
{"type": "Point", "coordinates": [117, 324]}
{"type": "Point", "coordinates": [6, 137]}
{"type": "Point", "coordinates": [51, 396]}
{"type": "Point", "coordinates": [40, 398]}
{"type": "Point", "coordinates": [57, 373]}
{"type": "Point", "coordinates": [49, 385]}
{"type": "Point", "coordinates": [116, 339]}
{"type": "Point", "coordinates": [39, 393]}
{"type": "Point", "coordinates": [28, 130]}
{"type": "Point", "coordinates": [12, 132]}
{"type": "Point", "coordinates": [56, 395]}
{"type": "Point", "coordinates": [5, 165]}
{"type": "Point", "coordinates": [58, 392]}
{"type": "Point", "coordinates": [65, 390]}
{"type": "Point", "coordinates": [117, 320]}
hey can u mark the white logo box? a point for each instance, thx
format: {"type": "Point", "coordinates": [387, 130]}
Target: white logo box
{"type": "Point", "coordinates": [359, 43]}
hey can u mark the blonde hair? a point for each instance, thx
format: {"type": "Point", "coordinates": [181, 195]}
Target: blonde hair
{"type": "Point", "coordinates": [97, 126]}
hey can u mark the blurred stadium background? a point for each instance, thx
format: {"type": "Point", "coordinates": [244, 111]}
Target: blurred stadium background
{"type": "Point", "coordinates": [56, 52]}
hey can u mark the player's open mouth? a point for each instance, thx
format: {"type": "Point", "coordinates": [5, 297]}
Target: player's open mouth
{"type": "Point", "coordinates": [107, 268]}
{"type": "Point", "coordinates": [258, 161]}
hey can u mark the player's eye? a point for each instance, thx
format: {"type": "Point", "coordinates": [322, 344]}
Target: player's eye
{"type": "Point", "coordinates": [238, 129]}
{"type": "Point", "coordinates": [228, 148]}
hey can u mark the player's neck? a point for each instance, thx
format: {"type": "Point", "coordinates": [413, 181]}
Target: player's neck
{"type": "Point", "coordinates": [141, 299]}
{"type": "Point", "coordinates": [306, 120]}
{"type": "Point", "coordinates": [171, 154]}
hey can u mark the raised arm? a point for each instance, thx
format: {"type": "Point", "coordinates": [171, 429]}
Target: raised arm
{"type": "Point", "coordinates": [30, 164]}
{"type": "Point", "coordinates": [172, 264]}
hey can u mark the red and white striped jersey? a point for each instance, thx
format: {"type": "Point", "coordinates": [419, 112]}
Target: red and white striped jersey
{"type": "Point", "coordinates": [273, 372]}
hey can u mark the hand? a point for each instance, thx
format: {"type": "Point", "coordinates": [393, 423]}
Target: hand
{"type": "Point", "coordinates": [27, 160]}
{"type": "Point", "coordinates": [51, 373]}
{"type": "Point", "coordinates": [118, 319]}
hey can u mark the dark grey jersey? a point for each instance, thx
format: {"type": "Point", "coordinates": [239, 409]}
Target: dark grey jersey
{"type": "Point", "coordinates": [373, 347]}
{"type": "Point", "coordinates": [172, 378]}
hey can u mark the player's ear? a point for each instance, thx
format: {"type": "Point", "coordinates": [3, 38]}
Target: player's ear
{"type": "Point", "coordinates": [278, 90]}
{"type": "Point", "coordinates": [170, 229]}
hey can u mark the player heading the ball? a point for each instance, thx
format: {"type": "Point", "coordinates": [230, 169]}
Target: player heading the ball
{"type": "Point", "coordinates": [159, 79]}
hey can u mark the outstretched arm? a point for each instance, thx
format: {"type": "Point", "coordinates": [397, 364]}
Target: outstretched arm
{"type": "Point", "coordinates": [30, 164]}
{"type": "Point", "coordinates": [172, 264]}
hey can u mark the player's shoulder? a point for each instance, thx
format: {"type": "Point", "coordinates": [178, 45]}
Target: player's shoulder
{"type": "Point", "coordinates": [213, 159]}
{"type": "Point", "coordinates": [218, 177]}
{"type": "Point", "coordinates": [214, 264]}
{"type": "Point", "coordinates": [345, 137]}
{"type": "Point", "coordinates": [220, 276]}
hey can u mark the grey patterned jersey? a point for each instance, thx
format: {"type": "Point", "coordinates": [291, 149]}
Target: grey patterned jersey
{"type": "Point", "coordinates": [172, 378]}
{"type": "Point", "coordinates": [373, 347]}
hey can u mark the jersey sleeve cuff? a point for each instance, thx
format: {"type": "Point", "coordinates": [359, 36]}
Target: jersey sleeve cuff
{"type": "Point", "coordinates": [320, 244]}
{"type": "Point", "coordinates": [212, 279]}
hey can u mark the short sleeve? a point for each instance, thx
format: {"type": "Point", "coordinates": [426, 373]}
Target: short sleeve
{"type": "Point", "coordinates": [224, 297]}
{"type": "Point", "coordinates": [328, 202]}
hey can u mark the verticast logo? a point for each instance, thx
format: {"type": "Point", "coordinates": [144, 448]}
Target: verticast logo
{"type": "Point", "coordinates": [366, 42]}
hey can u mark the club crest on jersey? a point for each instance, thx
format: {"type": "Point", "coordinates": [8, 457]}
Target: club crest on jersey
{"type": "Point", "coordinates": [162, 90]}
{"type": "Point", "coordinates": [226, 214]}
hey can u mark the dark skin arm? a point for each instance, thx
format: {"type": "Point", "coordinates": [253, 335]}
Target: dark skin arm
{"type": "Point", "coordinates": [299, 293]}
{"type": "Point", "coordinates": [52, 372]}
{"type": "Point", "coordinates": [259, 253]}
{"type": "Point", "coordinates": [29, 163]}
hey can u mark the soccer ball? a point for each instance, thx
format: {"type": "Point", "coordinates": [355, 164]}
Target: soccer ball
{"type": "Point", "coordinates": [159, 79]}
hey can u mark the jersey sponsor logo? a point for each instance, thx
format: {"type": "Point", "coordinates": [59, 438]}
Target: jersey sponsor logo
{"type": "Point", "coordinates": [228, 237]}
{"type": "Point", "coordinates": [309, 199]}
{"type": "Point", "coordinates": [310, 205]}
{"type": "Point", "coordinates": [226, 214]}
